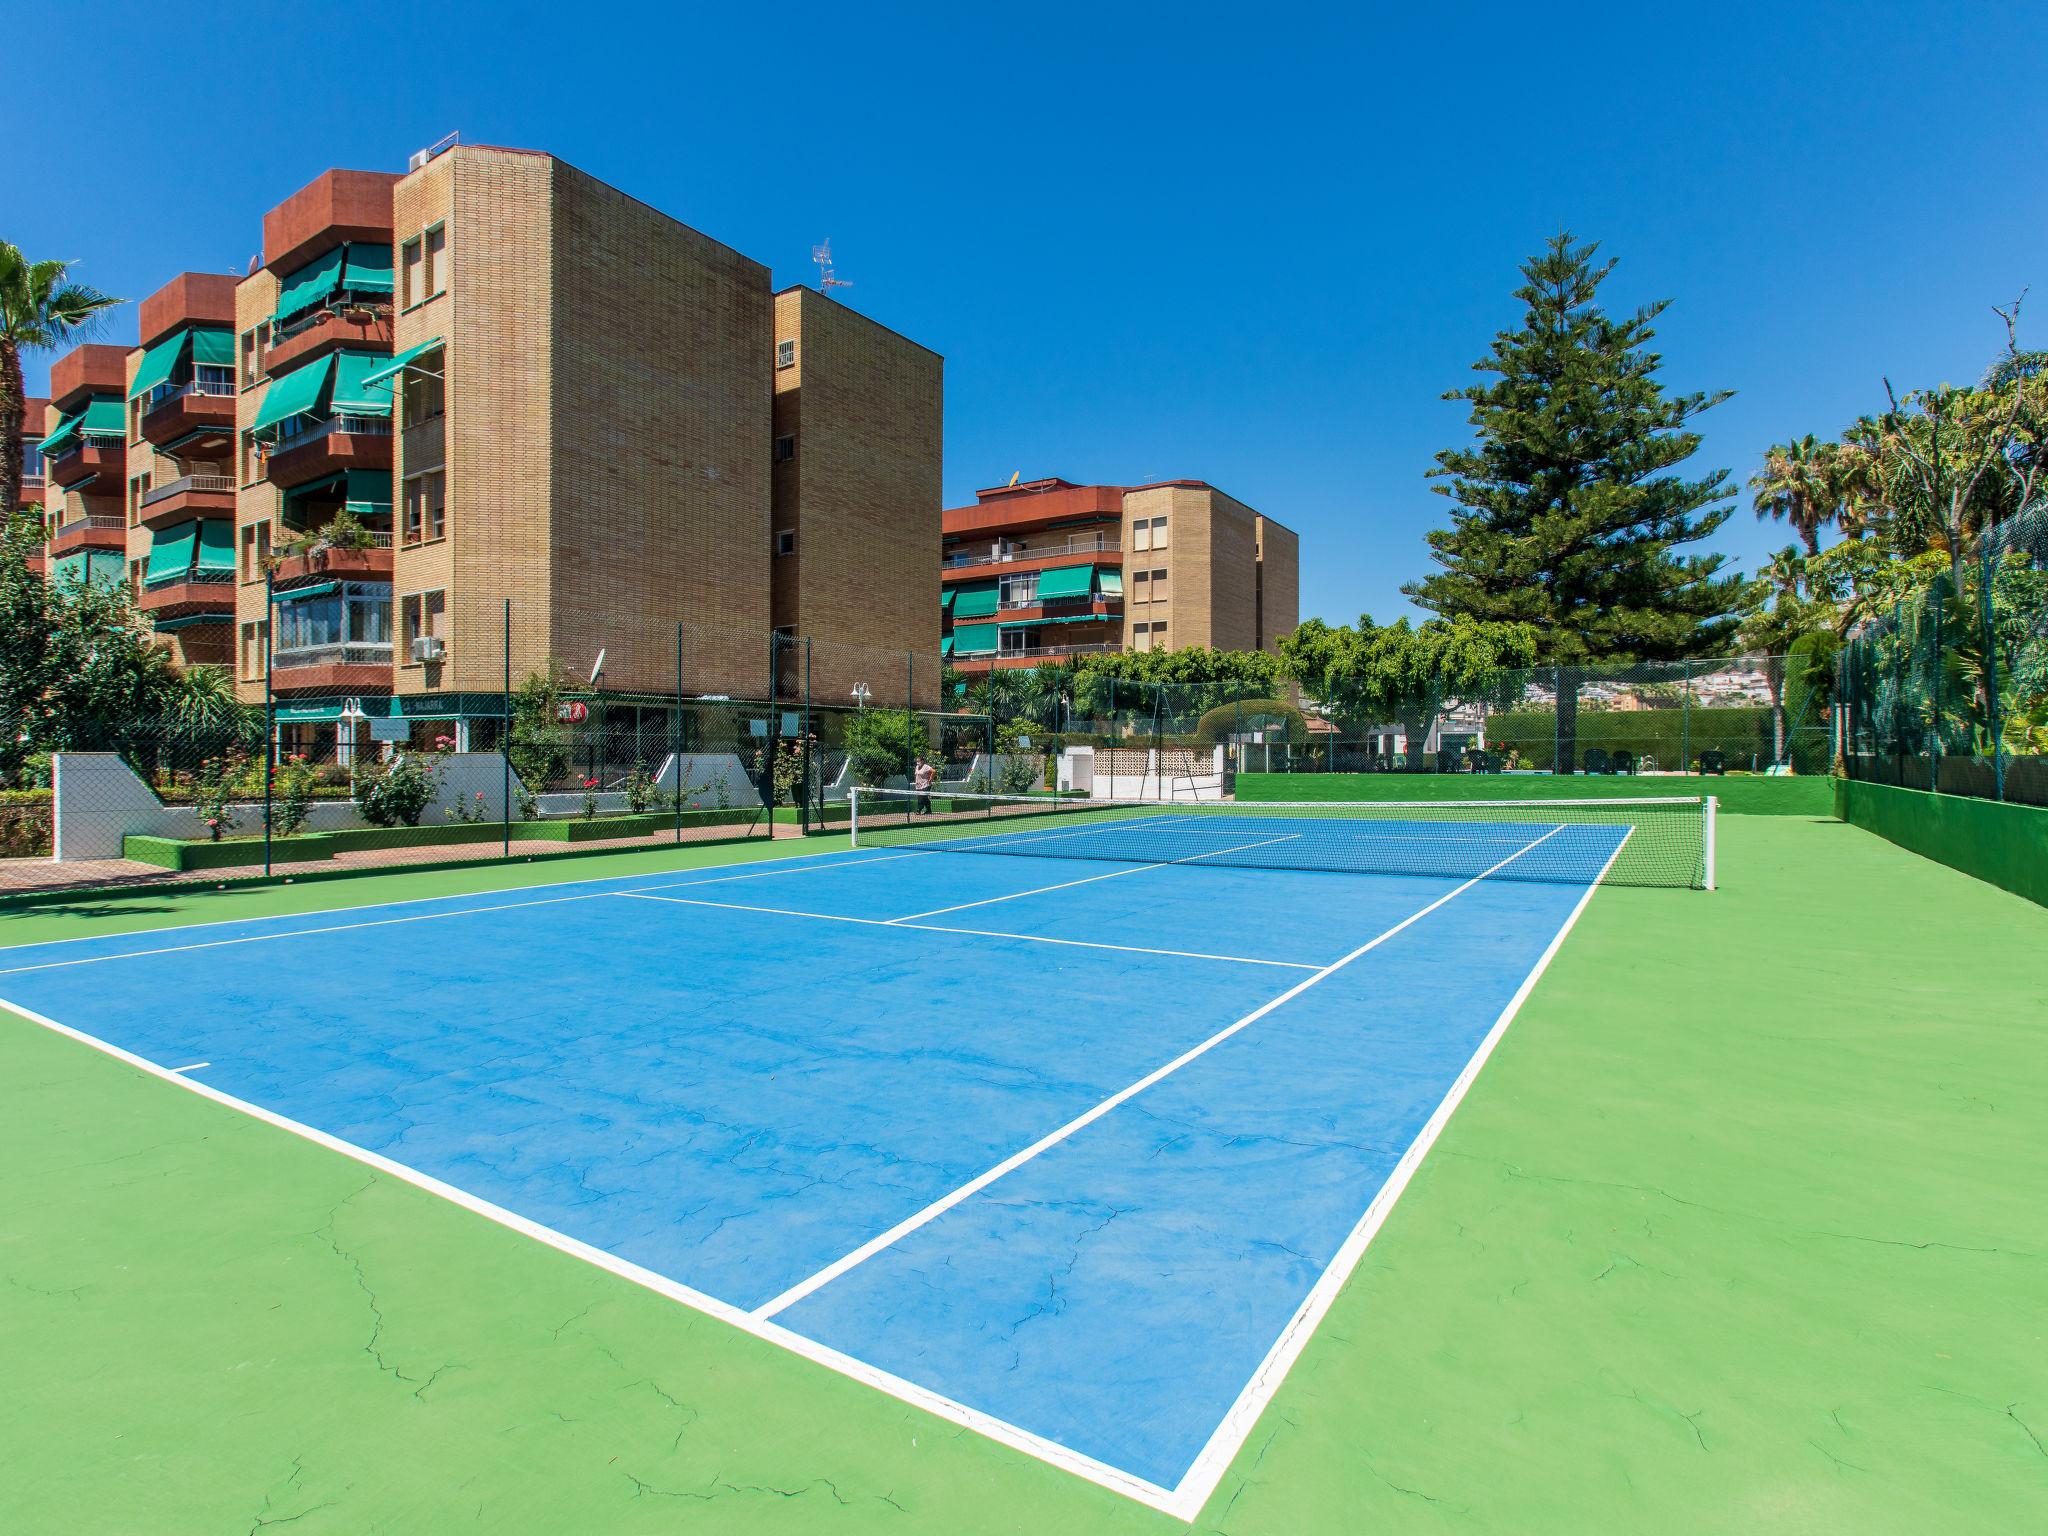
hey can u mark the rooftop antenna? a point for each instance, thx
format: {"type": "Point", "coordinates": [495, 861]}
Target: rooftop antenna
{"type": "Point", "coordinates": [822, 255]}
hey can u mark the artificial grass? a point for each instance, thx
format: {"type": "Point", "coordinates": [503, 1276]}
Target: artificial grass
{"type": "Point", "coordinates": [1740, 794]}
{"type": "Point", "coordinates": [1741, 1228]}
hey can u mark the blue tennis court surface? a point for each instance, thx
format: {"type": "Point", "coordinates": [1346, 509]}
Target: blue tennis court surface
{"type": "Point", "coordinates": [963, 1120]}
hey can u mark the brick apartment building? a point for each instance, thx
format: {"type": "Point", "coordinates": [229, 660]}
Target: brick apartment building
{"type": "Point", "coordinates": [85, 455]}
{"type": "Point", "coordinates": [495, 377]}
{"type": "Point", "coordinates": [1047, 569]}
{"type": "Point", "coordinates": [34, 409]}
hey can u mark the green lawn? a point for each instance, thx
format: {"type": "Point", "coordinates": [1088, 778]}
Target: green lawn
{"type": "Point", "coordinates": [1742, 1229]}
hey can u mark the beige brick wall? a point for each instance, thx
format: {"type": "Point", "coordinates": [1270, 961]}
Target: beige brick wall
{"type": "Point", "coordinates": [863, 495]}
{"type": "Point", "coordinates": [1211, 561]}
{"type": "Point", "coordinates": [1279, 583]}
{"type": "Point", "coordinates": [256, 500]}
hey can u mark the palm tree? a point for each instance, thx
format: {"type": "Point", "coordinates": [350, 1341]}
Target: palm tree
{"type": "Point", "coordinates": [1800, 484]}
{"type": "Point", "coordinates": [39, 311]}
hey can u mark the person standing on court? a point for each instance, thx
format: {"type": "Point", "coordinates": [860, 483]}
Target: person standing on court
{"type": "Point", "coordinates": [925, 776]}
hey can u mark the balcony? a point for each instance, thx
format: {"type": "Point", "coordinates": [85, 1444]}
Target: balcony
{"type": "Point", "coordinates": [1032, 656]}
{"type": "Point", "coordinates": [92, 530]}
{"type": "Point", "coordinates": [88, 460]}
{"type": "Point", "coordinates": [332, 563]}
{"type": "Point", "coordinates": [187, 497]}
{"type": "Point", "coordinates": [198, 407]}
{"type": "Point", "coordinates": [194, 592]}
{"type": "Point", "coordinates": [351, 668]}
{"type": "Point", "coordinates": [360, 328]}
{"type": "Point", "coordinates": [1050, 549]}
{"type": "Point", "coordinates": [341, 443]}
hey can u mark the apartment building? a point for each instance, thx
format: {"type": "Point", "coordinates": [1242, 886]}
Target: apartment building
{"type": "Point", "coordinates": [313, 460]}
{"type": "Point", "coordinates": [856, 491]}
{"type": "Point", "coordinates": [179, 489]}
{"type": "Point", "coordinates": [85, 456]}
{"type": "Point", "coordinates": [35, 410]}
{"type": "Point", "coordinates": [1047, 569]}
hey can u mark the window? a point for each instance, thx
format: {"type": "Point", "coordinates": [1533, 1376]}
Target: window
{"type": "Point", "coordinates": [1158, 635]}
{"type": "Point", "coordinates": [1141, 534]}
{"type": "Point", "coordinates": [255, 550]}
{"type": "Point", "coordinates": [785, 449]}
{"type": "Point", "coordinates": [135, 569]}
{"type": "Point", "coordinates": [785, 541]}
{"type": "Point", "coordinates": [135, 420]}
{"type": "Point", "coordinates": [1148, 637]}
{"type": "Point", "coordinates": [1141, 588]}
{"type": "Point", "coordinates": [411, 258]}
{"type": "Point", "coordinates": [1158, 533]}
{"type": "Point", "coordinates": [426, 507]}
{"type": "Point", "coordinates": [138, 487]}
{"type": "Point", "coordinates": [436, 272]}
{"type": "Point", "coordinates": [1020, 591]}
{"type": "Point", "coordinates": [424, 391]}
{"type": "Point", "coordinates": [424, 615]}
{"type": "Point", "coordinates": [785, 354]}
{"type": "Point", "coordinates": [1014, 642]}
{"type": "Point", "coordinates": [1158, 585]}
{"type": "Point", "coordinates": [252, 357]}
{"type": "Point", "coordinates": [255, 643]}
{"type": "Point", "coordinates": [32, 458]}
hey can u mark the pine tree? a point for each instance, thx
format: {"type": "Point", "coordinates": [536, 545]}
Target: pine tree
{"type": "Point", "coordinates": [1569, 513]}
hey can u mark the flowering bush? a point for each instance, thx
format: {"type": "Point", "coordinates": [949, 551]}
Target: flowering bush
{"type": "Point", "coordinates": [292, 784]}
{"type": "Point", "coordinates": [642, 793]}
{"type": "Point", "coordinates": [213, 794]}
{"type": "Point", "coordinates": [589, 799]}
{"type": "Point", "coordinates": [397, 794]}
{"type": "Point", "coordinates": [469, 812]}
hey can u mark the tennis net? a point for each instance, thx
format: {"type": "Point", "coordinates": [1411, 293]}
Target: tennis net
{"type": "Point", "coordinates": [1661, 842]}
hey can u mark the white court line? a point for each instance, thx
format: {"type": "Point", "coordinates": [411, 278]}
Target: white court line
{"type": "Point", "coordinates": [192, 1066]}
{"type": "Point", "coordinates": [973, 933]}
{"type": "Point", "coordinates": [1207, 1469]}
{"type": "Point", "coordinates": [1015, 840]}
{"type": "Point", "coordinates": [1004, 1433]}
{"type": "Point", "coordinates": [1015, 1160]}
{"type": "Point", "coordinates": [1112, 875]}
{"type": "Point", "coordinates": [420, 917]}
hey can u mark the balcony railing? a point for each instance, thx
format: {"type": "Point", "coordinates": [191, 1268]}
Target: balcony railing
{"type": "Point", "coordinates": [299, 324]}
{"type": "Point", "coordinates": [1064, 604]}
{"type": "Point", "coordinates": [1078, 544]}
{"type": "Point", "coordinates": [350, 655]}
{"type": "Point", "coordinates": [1082, 648]}
{"type": "Point", "coordinates": [188, 483]}
{"type": "Point", "coordinates": [91, 520]}
{"type": "Point", "coordinates": [359, 426]}
{"type": "Point", "coordinates": [85, 442]}
{"type": "Point", "coordinates": [207, 578]}
{"type": "Point", "coordinates": [214, 389]}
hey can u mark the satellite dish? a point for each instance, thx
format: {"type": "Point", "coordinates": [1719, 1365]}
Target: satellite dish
{"type": "Point", "coordinates": [597, 668]}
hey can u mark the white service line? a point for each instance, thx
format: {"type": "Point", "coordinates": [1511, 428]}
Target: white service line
{"type": "Point", "coordinates": [1015, 1160]}
{"type": "Point", "coordinates": [1208, 1467]}
{"type": "Point", "coordinates": [192, 1066]}
{"type": "Point", "coordinates": [1137, 869]}
{"type": "Point", "coordinates": [973, 933]}
{"type": "Point", "coordinates": [421, 917]}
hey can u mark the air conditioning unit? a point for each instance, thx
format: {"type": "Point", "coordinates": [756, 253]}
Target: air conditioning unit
{"type": "Point", "coordinates": [417, 158]}
{"type": "Point", "coordinates": [429, 648]}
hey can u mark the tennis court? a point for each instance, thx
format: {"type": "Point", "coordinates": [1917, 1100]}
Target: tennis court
{"type": "Point", "coordinates": [1072, 1145]}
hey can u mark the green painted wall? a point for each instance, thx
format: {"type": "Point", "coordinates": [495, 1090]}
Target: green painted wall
{"type": "Point", "coordinates": [2002, 843]}
{"type": "Point", "coordinates": [1739, 794]}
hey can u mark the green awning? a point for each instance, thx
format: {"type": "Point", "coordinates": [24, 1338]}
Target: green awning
{"type": "Point", "coordinates": [352, 396]}
{"type": "Point", "coordinates": [946, 600]}
{"type": "Point", "coordinates": [170, 554]}
{"type": "Point", "coordinates": [367, 269]}
{"type": "Point", "coordinates": [977, 601]}
{"type": "Point", "coordinates": [309, 286]}
{"type": "Point", "coordinates": [975, 639]}
{"type": "Point", "coordinates": [383, 376]}
{"type": "Point", "coordinates": [1112, 583]}
{"type": "Point", "coordinates": [214, 348]}
{"type": "Point", "coordinates": [366, 492]}
{"type": "Point", "coordinates": [216, 545]}
{"type": "Point", "coordinates": [159, 363]}
{"type": "Point", "coordinates": [67, 429]}
{"type": "Point", "coordinates": [305, 714]}
{"type": "Point", "coordinates": [946, 646]}
{"type": "Point", "coordinates": [1067, 618]}
{"type": "Point", "coordinates": [186, 621]}
{"type": "Point", "coordinates": [296, 394]}
{"type": "Point", "coordinates": [105, 418]}
{"type": "Point", "coordinates": [1065, 581]}
{"type": "Point", "coordinates": [300, 594]}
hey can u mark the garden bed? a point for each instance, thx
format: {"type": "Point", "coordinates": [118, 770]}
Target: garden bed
{"type": "Point", "coordinates": [197, 854]}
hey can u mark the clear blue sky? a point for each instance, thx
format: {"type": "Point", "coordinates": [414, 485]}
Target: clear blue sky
{"type": "Point", "coordinates": [1252, 247]}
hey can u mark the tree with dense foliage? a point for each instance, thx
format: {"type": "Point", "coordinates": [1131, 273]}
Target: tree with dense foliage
{"type": "Point", "coordinates": [1570, 512]}
{"type": "Point", "coordinates": [41, 310]}
{"type": "Point", "coordinates": [1801, 483]}
{"type": "Point", "coordinates": [1403, 672]}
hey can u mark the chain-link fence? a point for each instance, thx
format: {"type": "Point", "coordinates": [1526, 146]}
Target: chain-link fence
{"type": "Point", "coordinates": [1949, 691]}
